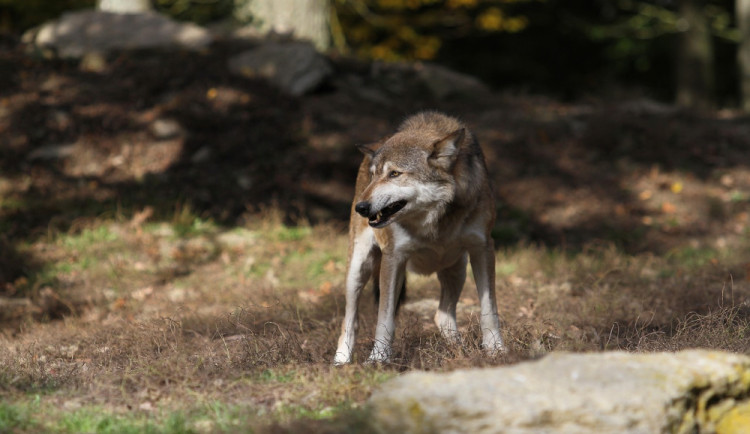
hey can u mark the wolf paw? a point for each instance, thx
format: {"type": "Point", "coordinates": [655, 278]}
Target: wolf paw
{"type": "Point", "coordinates": [494, 346]}
{"type": "Point", "coordinates": [341, 359]}
{"type": "Point", "coordinates": [378, 356]}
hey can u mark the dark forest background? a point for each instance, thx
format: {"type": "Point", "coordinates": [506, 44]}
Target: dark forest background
{"type": "Point", "coordinates": [570, 49]}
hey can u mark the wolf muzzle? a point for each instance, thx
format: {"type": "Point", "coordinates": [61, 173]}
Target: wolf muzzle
{"type": "Point", "coordinates": [363, 209]}
{"type": "Point", "coordinates": [380, 218]}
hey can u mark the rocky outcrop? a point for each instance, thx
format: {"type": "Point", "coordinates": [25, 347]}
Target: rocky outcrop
{"type": "Point", "coordinates": [685, 392]}
{"type": "Point", "coordinates": [294, 67]}
{"type": "Point", "coordinates": [76, 34]}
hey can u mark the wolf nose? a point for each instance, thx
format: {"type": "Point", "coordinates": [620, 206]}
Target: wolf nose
{"type": "Point", "coordinates": [363, 209]}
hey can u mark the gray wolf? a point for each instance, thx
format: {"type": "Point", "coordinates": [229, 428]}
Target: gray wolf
{"type": "Point", "coordinates": [423, 203]}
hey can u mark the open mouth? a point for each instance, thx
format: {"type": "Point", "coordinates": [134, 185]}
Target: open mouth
{"type": "Point", "coordinates": [382, 217]}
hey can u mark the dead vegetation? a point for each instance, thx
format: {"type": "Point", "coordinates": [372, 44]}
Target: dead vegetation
{"type": "Point", "coordinates": [195, 282]}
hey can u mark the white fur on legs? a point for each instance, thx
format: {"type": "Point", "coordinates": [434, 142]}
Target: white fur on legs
{"type": "Point", "coordinates": [392, 275]}
{"type": "Point", "coordinates": [381, 350]}
{"type": "Point", "coordinates": [483, 266]}
{"type": "Point", "coordinates": [358, 273]}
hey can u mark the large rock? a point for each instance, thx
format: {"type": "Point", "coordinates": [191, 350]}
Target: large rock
{"type": "Point", "coordinates": [685, 392]}
{"type": "Point", "coordinates": [445, 83]}
{"type": "Point", "coordinates": [295, 67]}
{"type": "Point", "coordinates": [76, 34]}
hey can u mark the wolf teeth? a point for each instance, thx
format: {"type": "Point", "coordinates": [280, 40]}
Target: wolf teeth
{"type": "Point", "coordinates": [379, 215]}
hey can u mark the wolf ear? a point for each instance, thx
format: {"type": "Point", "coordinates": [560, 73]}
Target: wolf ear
{"type": "Point", "coordinates": [445, 150]}
{"type": "Point", "coordinates": [370, 149]}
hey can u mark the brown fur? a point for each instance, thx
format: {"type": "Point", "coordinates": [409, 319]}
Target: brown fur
{"type": "Point", "coordinates": [426, 200]}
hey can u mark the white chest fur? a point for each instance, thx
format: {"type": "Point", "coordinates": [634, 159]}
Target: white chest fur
{"type": "Point", "coordinates": [428, 256]}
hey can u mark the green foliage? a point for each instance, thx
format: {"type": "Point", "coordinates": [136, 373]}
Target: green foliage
{"type": "Point", "coordinates": [416, 29]}
{"type": "Point", "coordinates": [198, 11]}
{"type": "Point", "coordinates": [19, 15]}
{"type": "Point", "coordinates": [633, 30]}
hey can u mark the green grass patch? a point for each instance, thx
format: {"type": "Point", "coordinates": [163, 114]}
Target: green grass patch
{"type": "Point", "coordinates": [692, 257]}
{"type": "Point", "coordinates": [96, 420]}
{"type": "Point", "coordinates": [12, 204]}
{"type": "Point", "coordinates": [215, 416]}
{"type": "Point", "coordinates": [274, 376]}
{"type": "Point", "coordinates": [15, 418]}
{"type": "Point", "coordinates": [31, 416]}
{"type": "Point", "coordinates": [88, 238]}
{"type": "Point", "coordinates": [186, 223]}
{"type": "Point", "coordinates": [292, 233]}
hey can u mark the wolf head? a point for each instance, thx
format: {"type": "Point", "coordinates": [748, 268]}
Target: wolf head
{"type": "Point", "coordinates": [411, 175]}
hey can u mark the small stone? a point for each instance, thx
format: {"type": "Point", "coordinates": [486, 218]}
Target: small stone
{"type": "Point", "coordinates": [93, 62]}
{"type": "Point", "coordinates": [202, 155]}
{"type": "Point", "coordinates": [51, 152]}
{"type": "Point", "coordinates": [163, 129]}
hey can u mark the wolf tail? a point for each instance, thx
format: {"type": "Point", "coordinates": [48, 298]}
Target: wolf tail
{"type": "Point", "coordinates": [376, 291]}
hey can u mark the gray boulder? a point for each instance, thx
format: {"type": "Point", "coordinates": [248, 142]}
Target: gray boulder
{"type": "Point", "coordinates": [294, 67]}
{"type": "Point", "coordinates": [685, 392]}
{"type": "Point", "coordinates": [76, 34]}
{"type": "Point", "coordinates": [445, 83]}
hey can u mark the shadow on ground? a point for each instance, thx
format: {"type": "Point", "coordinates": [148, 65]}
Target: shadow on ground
{"type": "Point", "coordinates": [164, 131]}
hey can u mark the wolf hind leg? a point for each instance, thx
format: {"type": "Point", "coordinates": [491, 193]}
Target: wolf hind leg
{"type": "Point", "coordinates": [452, 281]}
{"type": "Point", "coordinates": [483, 266]}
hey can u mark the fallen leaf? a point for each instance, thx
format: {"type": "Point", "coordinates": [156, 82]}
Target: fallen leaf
{"type": "Point", "coordinates": [325, 288]}
{"type": "Point", "coordinates": [330, 266]}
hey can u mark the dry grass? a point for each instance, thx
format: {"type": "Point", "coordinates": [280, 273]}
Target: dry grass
{"type": "Point", "coordinates": [125, 307]}
{"type": "Point", "coordinates": [213, 330]}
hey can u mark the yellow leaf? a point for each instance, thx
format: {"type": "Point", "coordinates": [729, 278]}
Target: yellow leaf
{"type": "Point", "coordinates": [490, 20]}
{"type": "Point", "coordinates": [515, 24]}
{"type": "Point", "coordinates": [455, 4]}
{"type": "Point", "coordinates": [676, 187]}
{"type": "Point", "coordinates": [212, 93]}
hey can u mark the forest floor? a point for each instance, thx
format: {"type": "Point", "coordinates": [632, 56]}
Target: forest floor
{"type": "Point", "coordinates": [173, 240]}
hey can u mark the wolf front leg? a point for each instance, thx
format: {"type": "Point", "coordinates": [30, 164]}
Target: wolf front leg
{"type": "Point", "coordinates": [392, 275]}
{"type": "Point", "coordinates": [483, 265]}
{"type": "Point", "coordinates": [363, 257]}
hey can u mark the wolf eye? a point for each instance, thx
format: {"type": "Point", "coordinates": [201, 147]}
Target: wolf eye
{"type": "Point", "coordinates": [394, 174]}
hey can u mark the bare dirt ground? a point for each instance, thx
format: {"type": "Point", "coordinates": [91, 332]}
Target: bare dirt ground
{"type": "Point", "coordinates": [173, 239]}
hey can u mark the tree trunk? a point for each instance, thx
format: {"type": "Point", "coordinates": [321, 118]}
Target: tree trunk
{"type": "Point", "coordinates": [743, 52]}
{"type": "Point", "coordinates": [124, 6]}
{"type": "Point", "coordinates": [695, 57]}
{"type": "Point", "coordinates": [304, 19]}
